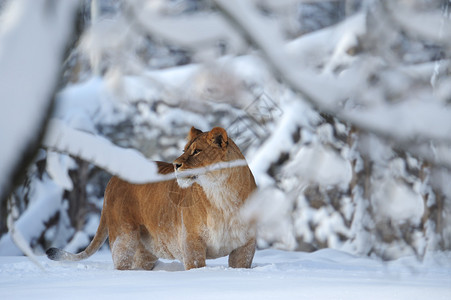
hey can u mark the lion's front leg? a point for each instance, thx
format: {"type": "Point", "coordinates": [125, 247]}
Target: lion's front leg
{"type": "Point", "coordinates": [242, 257]}
{"type": "Point", "coordinates": [194, 253]}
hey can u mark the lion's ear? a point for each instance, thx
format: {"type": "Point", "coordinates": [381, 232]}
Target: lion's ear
{"type": "Point", "coordinates": [193, 133]}
{"type": "Point", "coordinates": [218, 136]}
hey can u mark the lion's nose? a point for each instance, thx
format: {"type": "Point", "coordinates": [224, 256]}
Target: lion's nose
{"type": "Point", "coordinates": [177, 166]}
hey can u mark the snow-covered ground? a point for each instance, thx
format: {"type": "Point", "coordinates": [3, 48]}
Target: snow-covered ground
{"type": "Point", "coordinates": [325, 274]}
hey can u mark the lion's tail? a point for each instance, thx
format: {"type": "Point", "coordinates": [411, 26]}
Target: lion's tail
{"type": "Point", "coordinates": [98, 240]}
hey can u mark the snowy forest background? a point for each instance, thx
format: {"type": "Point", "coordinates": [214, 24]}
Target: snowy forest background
{"type": "Point", "coordinates": [342, 109]}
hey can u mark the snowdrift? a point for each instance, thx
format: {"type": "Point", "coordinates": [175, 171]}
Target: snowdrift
{"type": "Point", "coordinates": [325, 274]}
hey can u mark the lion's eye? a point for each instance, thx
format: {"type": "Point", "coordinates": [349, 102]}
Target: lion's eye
{"type": "Point", "coordinates": [196, 151]}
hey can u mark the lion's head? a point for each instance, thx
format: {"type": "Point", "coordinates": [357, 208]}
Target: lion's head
{"type": "Point", "coordinates": [204, 156]}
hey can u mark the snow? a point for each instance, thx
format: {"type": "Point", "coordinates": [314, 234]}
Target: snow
{"type": "Point", "coordinates": [23, 108]}
{"type": "Point", "coordinates": [322, 66]}
{"type": "Point", "coordinates": [411, 120]}
{"type": "Point", "coordinates": [58, 167]}
{"type": "Point", "coordinates": [271, 210]}
{"type": "Point", "coordinates": [325, 274]}
{"type": "Point", "coordinates": [417, 119]}
{"type": "Point", "coordinates": [313, 48]}
{"type": "Point", "coordinates": [81, 104]}
{"type": "Point", "coordinates": [129, 164]}
{"type": "Point", "coordinates": [279, 141]}
{"type": "Point", "coordinates": [32, 222]}
{"type": "Point", "coordinates": [80, 238]}
{"type": "Point", "coordinates": [398, 203]}
{"type": "Point", "coordinates": [96, 148]}
{"type": "Point", "coordinates": [429, 25]}
{"type": "Point", "coordinates": [195, 31]}
{"type": "Point", "coordinates": [320, 165]}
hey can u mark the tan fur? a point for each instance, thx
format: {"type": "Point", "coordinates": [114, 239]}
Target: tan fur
{"type": "Point", "coordinates": [191, 218]}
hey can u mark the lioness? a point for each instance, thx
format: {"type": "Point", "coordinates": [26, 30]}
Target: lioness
{"type": "Point", "coordinates": [190, 218]}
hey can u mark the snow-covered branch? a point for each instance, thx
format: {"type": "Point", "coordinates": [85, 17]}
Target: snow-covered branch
{"type": "Point", "coordinates": [128, 164]}
{"type": "Point", "coordinates": [27, 81]}
{"type": "Point", "coordinates": [31, 223]}
{"type": "Point", "coordinates": [196, 31]}
{"type": "Point", "coordinates": [278, 144]}
{"type": "Point", "coordinates": [428, 25]}
{"type": "Point", "coordinates": [404, 123]}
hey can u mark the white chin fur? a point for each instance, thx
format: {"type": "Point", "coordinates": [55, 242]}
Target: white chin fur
{"type": "Point", "coordinates": [184, 182]}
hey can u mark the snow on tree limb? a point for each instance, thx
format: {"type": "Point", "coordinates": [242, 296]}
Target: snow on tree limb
{"type": "Point", "coordinates": [279, 142]}
{"type": "Point", "coordinates": [404, 123]}
{"type": "Point", "coordinates": [33, 38]}
{"type": "Point", "coordinates": [31, 223]}
{"type": "Point", "coordinates": [22, 242]}
{"type": "Point", "coordinates": [428, 25]}
{"type": "Point", "coordinates": [27, 25]}
{"type": "Point", "coordinates": [196, 31]}
{"type": "Point", "coordinates": [128, 164]}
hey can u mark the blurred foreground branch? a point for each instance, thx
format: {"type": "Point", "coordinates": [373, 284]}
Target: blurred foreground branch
{"type": "Point", "coordinates": [403, 123]}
